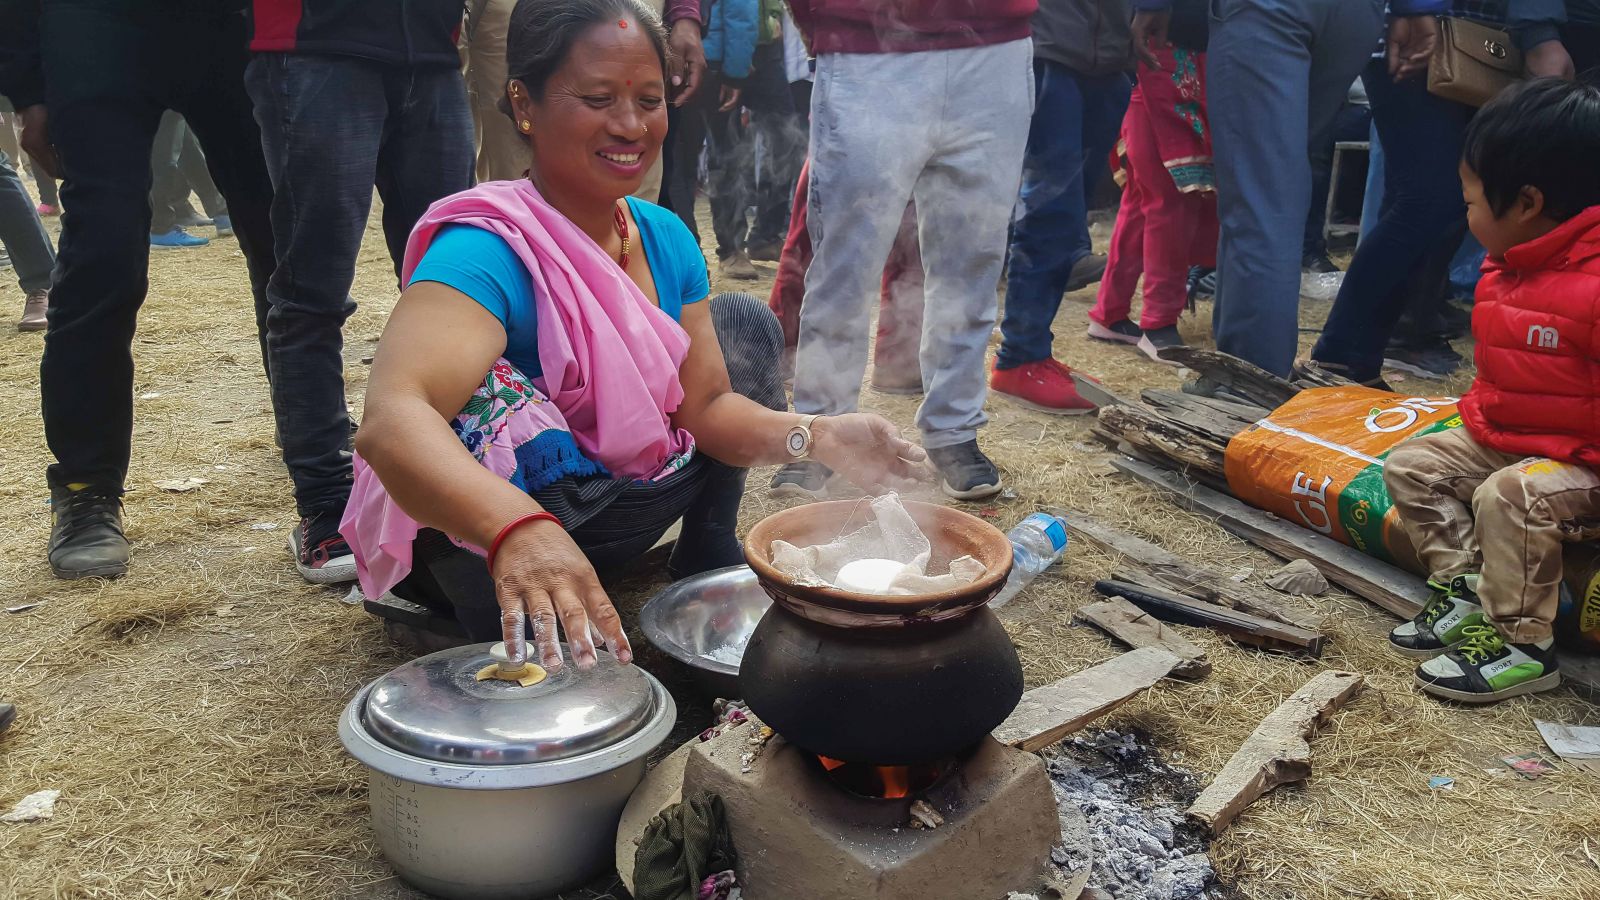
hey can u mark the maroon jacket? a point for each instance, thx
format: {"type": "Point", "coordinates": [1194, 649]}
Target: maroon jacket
{"type": "Point", "coordinates": [903, 26]}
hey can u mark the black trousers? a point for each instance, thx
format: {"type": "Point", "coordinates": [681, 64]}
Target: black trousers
{"type": "Point", "coordinates": [621, 521]}
{"type": "Point", "coordinates": [110, 73]}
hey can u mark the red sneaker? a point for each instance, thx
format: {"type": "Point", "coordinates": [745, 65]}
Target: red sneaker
{"type": "Point", "coordinates": [1045, 385]}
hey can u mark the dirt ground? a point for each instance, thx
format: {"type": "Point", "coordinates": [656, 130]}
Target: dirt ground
{"type": "Point", "coordinates": [186, 712]}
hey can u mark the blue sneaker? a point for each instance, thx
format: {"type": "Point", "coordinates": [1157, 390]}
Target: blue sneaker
{"type": "Point", "coordinates": [224, 226]}
{"type": "Point", "coordinates": [177, 237]}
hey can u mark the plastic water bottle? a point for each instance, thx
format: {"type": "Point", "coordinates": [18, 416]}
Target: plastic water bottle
{"type": "Point", "coordinates": [1036, 543]}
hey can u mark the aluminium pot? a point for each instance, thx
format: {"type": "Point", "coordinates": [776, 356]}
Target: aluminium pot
{"type": "Point", "coordinates": [489, 789]}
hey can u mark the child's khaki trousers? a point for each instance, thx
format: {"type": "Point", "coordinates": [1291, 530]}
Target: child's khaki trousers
{"type": "Point", "coordinates": [1470, 509]}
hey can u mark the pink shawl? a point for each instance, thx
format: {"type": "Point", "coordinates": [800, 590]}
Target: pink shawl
{"type": "Point", "coordinates": [610, 361]}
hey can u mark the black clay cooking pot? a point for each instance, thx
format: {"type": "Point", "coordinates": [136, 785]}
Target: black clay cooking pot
{"type": "Point", "coordinates": [881, 680]}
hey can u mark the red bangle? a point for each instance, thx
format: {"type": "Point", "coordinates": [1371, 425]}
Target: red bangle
{"type": "Point", "coordinates": [511, 526]}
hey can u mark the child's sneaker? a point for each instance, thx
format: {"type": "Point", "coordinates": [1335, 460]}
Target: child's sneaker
{"type": "Point", "coordinates": [1485, 668]}
{"type": "Point", "coordinates": [1439, 627]}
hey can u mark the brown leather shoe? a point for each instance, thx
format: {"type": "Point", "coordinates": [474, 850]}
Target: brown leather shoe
{"type": "Point", "coordinates": [33, 308]}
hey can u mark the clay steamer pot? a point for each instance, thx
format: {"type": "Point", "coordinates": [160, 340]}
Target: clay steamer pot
{"type": "Point", "coordinates": [881, 680]}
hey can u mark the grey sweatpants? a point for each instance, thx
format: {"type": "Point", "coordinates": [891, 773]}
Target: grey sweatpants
{"type": "Point", "coordinates": [946, 128]}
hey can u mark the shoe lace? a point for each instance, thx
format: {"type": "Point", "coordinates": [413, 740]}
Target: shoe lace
{"type": "Point", "coordinates": [86, 509]}
{"type": "Point", "coordinates": [1060, 367]}
{"type": "Point", "coordinates": [965, 457]}
{"type": "Point", "coordinates": [321, 532]}
{"type": "Point", "coordinates": [1483, 643]}
{"type": "Point", "coordinates": [1437, 607]}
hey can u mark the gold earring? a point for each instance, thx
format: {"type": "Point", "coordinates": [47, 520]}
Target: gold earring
{"type": "Point", "coordinates": [527, 126]}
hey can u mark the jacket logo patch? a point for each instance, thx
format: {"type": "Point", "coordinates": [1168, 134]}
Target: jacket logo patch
{"type": "Point", "coordinates": [1543, 337]}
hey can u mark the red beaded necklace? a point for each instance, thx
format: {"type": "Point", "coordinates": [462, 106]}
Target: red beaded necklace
{"type": "Point", "coordinates": [622, 232]}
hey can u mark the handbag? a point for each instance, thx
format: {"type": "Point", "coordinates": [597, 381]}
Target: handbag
{"type": "Point", "coordinates": [1473, 62]}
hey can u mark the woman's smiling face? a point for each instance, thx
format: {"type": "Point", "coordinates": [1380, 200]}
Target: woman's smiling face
{"type": "Point", "coordinates": [600, 123]}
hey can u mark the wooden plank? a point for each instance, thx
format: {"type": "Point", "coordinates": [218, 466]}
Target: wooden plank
{"type": "Point", "coordinates": [1170, 606]}
{"type": "Point", "coordinates": [1277, 752]}
{"type": "Point", "coordinates": [1310, 374]}
{"type": "Point", "coordinates": [1137, 628]}
{"type": "Point", "coordinates": [1095, 391]}
{"type": "Point", "coordinates": [1247, 412]}
{"type": "Point", "coordinates": [1386, 586]}
{"type": "Point", "coordinates": [1256, 384]}
{"type": "Point", "coordinates": [1047, 714]}
{"type": "Point", "coordinates": [1162, 437]}
{"type": "Point", "coordinates": [1391, 588]}
{"type": "Point", "coordinates": [1181, 575]}
{"type": "Point", "coordinates": [1218, 418]}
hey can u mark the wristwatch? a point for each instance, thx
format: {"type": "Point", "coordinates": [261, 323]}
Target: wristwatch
{"type": "Point", "coordinates": [799, 440]}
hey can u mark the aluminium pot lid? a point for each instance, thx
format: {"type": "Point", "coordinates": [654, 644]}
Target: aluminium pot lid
{"type": "Point", "coordinates": [434, 708]}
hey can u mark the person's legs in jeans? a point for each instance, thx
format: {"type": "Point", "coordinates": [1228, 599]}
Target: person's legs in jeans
{"type": "Point", "coordinates": [9, 125]}
{"type": "Point", "coordinates": [322, 120]}
{"type": "Point", "coordinates": [1075, 115]}
{"type": "Point", "coordinates": [105, 104]}
{"type": "Point", "coordinates": [964, 198]}
{"type": "Point", "coordinates": [25, 239]}
{"type": "Point", "coordinates": [1273, 64]}
{"type": "Point", "coordinates": [1421, 223]}
{"type": "Point", "coordinates": [1372, 200]}
{"type": "Point", "coordinates": [780, 133]}
{"type": "Point", "coordinates": [688, 137]}
{"type": "Point", "coordinates": [427, 149]}
{"type": "Point", "coordinates": [731, 163]}
{"type": "Point", "coordinates": [221, 120]}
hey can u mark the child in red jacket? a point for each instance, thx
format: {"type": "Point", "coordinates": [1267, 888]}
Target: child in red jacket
{"type": "Point", "coordinates": [1489, 504]}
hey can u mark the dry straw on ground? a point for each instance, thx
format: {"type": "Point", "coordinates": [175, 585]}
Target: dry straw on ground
{"type": "Point", "coordinates": [187, 712]}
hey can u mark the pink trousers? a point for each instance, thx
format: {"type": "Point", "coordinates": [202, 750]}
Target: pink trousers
{"type": "Point", "coordinates": [1160, 233]}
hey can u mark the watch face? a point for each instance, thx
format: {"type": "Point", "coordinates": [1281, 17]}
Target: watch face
{"type": "Point", "coordinates": [797, 442]}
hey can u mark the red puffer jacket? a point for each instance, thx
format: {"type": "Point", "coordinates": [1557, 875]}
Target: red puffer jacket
{"type": "Point", "coordinates": [1537, 324]}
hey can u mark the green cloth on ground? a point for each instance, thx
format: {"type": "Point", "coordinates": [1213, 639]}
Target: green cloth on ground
{"type": "Point", "coordinates": [681, 846]}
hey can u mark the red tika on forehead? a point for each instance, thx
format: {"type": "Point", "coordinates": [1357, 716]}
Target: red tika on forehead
{"type": "Point", "coordinates": [622, 23]}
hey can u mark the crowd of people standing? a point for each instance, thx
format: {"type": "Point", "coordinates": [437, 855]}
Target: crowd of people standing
{"type": "Point", "coordinates": [923, 152]}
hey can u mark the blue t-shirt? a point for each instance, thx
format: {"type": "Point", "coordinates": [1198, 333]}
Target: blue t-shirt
{"type": "Point", "coordinates": [483, 266]}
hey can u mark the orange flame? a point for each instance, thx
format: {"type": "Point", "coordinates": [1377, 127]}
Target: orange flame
{"type": "Point", "coordinates": [896, 781]}
{"type": "Point", "coordinates": [891, 782]}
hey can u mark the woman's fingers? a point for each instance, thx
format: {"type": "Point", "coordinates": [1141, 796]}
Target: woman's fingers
{"type": "Point", "coordinates": [603, 617]}
{"type": "Point", "coordinates": [514, 631]}
{"type": "Point", "coordinates": [546, 637]}
{"type": "Point", "coordinates": [575, 622]}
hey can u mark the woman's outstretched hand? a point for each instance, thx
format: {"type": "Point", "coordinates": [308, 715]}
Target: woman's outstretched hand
{"type": "Point", "coordinates": [869, 451]}
{"type": "Point", "coordinates": [541, 576]}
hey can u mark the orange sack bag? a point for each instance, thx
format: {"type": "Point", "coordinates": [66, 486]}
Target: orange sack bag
{"type": "Point", "coordinates": [1318, 462]}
